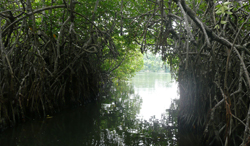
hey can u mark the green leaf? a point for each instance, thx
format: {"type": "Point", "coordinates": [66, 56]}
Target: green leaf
{"type": "Point", "coordinates": [226, 8]}
{"type": "Point", "coordinates": [223, 22]}
{"type": "Point", "coordinates": [218, 6]}
{"type": "Point", "coordinates": [217, 26]}
{"type": "Point", "coordinates": [222, 10]}
{"type": "Point", "coordinates": [218, 12]}
{"type": "Point", "coordinates": [226, 3]}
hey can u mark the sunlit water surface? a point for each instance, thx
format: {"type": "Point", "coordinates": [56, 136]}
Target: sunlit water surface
{"type": "Point", "coordinates": [121, 118]}
{"type": "Point", "coordinates": [157, 90]}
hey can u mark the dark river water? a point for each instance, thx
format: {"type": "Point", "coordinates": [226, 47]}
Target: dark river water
{"type": "Point", "coordinates": [131, 113]}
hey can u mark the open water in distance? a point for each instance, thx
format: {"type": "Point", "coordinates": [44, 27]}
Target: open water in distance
{"type": "Point", "coordinates": [157, 90]}
{"type": "Point", "coordinates": [123, 117]}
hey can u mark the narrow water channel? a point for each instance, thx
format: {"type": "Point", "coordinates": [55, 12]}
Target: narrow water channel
{"type": "Point", "coordinates": [131, 113]}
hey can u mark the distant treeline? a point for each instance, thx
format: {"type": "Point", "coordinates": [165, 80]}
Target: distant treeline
{"type": "Point", "coordinates": [154, 63]}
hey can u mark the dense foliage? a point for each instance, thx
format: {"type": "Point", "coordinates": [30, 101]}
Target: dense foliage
{"type": "Point", "coordinates": [57, 51]}
{"type": "Point", "coordinates": [126, 64]}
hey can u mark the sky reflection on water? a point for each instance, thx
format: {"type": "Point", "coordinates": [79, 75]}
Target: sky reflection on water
{"type": "Point", "coordinates": [157, 90]}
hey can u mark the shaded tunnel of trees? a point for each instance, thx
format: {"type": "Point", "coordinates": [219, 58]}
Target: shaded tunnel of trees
{"type": "Point", "coordinates": [57, 53]}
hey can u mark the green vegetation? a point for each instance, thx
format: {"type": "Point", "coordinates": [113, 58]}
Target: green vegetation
{"type": "Point", "coordinates": [53, 53]}
{"type": "Point", "coordinates": [154, 63]}
{"type": "Point", "coordinates": [126, 64]}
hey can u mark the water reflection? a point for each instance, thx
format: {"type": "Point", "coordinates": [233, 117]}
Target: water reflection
{"type": "Point", "coordinates": [157, 91]}
{"type": "Point", "coordinates": [112, 121]}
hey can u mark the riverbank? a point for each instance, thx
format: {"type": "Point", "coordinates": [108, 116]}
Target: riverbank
{"type": "Point", "coordinates": [113, 120]}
